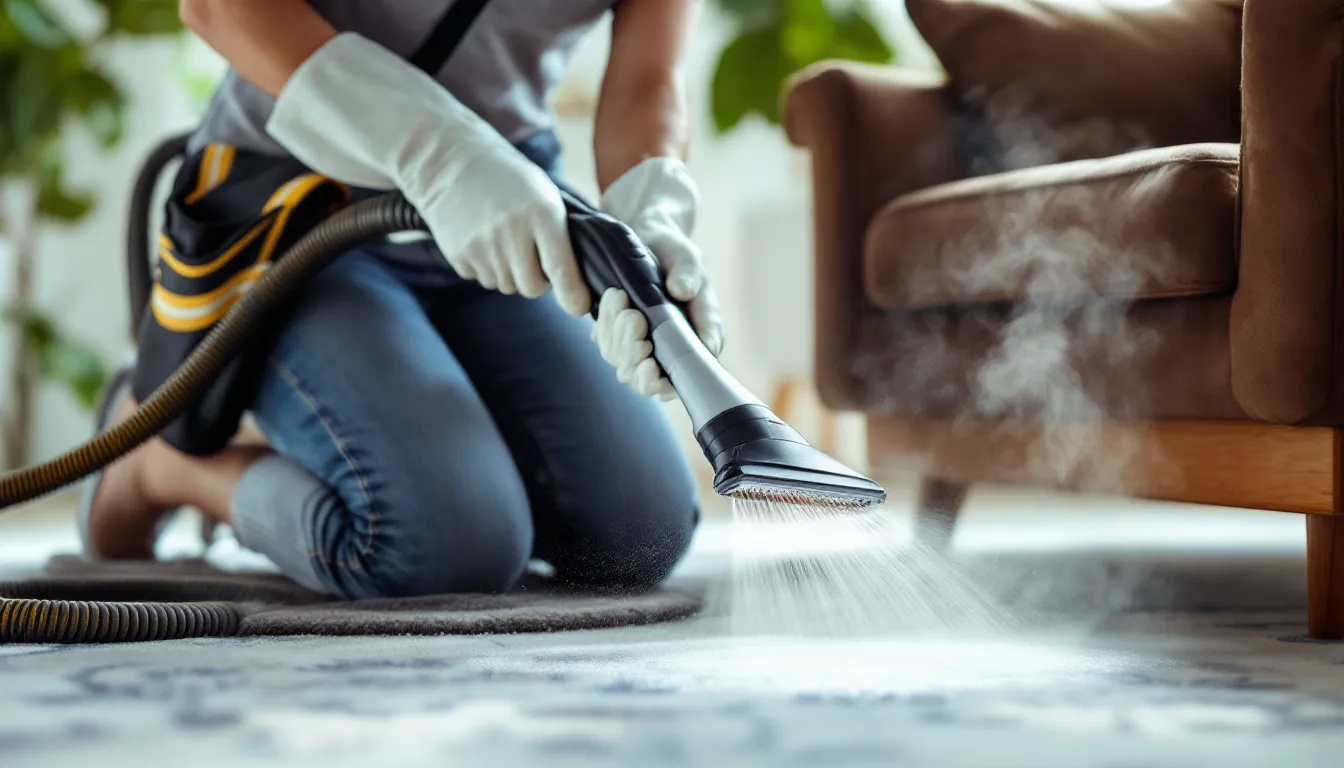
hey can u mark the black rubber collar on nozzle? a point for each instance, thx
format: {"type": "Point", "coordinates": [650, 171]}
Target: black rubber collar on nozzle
{"type": "Point", "coordinates": [750, 447]}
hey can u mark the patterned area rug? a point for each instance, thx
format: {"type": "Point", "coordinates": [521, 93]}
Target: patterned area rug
{"type": "Point", "coordinates": [1145, 690]}
{"type": "Point", "coordinates": [1125, 661]}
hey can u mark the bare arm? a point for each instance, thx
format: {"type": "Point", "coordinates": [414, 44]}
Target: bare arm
{"type": "Point", "coordinates": [263, 40]}
{"type": "Point", "coordinates": [641, 110]}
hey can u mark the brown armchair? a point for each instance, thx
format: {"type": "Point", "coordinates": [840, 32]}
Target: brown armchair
{"type": "Point", "coordinates": [1164, 323]}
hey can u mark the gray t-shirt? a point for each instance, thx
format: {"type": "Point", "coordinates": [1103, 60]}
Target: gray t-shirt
{"type": "Point", "coordinates": [505, 68]}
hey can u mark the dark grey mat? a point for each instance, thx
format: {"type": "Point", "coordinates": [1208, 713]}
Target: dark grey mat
{"type": "Point", "coordinates": [272, 605]}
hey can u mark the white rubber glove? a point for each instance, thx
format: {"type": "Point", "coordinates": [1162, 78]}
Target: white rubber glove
{"type": "Point", "coordinates": [358, 113]}
{"type": "Point", "coordinates": [658, 200]}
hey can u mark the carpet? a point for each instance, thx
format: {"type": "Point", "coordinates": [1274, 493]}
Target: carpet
{"type": "Point", "coordinates": [1167, 653]}
{"type": "Point", "coordinates": [269, 604]}
{"type": "Point", "coordinates": [1234, 690]}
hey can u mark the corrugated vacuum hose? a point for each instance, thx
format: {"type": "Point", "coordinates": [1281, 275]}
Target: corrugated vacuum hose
{"type": "Point", "coordinates": [41, 613]}
{"type": "Point", "coordinates": [53, 619]}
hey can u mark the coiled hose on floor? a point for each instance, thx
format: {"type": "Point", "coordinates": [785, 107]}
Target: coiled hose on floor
{"type": "Point", "coordinates": [49, 617]}
{"type": "Point", "coordinates": [38, 612]}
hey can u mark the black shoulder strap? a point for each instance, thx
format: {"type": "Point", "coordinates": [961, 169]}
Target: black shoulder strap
{"type": "Point", "coordinates": [445, 36]}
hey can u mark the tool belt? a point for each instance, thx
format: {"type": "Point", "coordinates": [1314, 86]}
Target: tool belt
{"type": "Point", "coordinates": [231, 215]}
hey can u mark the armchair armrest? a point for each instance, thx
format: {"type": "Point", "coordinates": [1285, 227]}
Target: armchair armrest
{"type": "Point", "coordinates": [874, 133]}
{"type": "Point", "coordinates": [1288, 311]}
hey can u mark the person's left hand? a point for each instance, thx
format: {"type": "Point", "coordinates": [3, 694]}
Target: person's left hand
{"type": "Point", "coordinates": [657, 199]}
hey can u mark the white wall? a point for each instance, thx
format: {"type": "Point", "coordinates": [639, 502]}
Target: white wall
{"type": "Point", "coordinates": [753, 229]}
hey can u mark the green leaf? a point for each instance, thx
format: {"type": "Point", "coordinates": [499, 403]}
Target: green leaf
{"type": "Point", "coordinates": [144, 17]}
{"type": "Point", "coordinates": [804, 44]}
{"type": "Point", "coordinates": [55, 200]}
{"type": "Point", "coordinates": [747, 78]}
{"type": "Point", "coordinates": [32, 104]}
{"type": "Point", "coordinates": [36, 25]}
{"type": "Point", "coordinates": [11, 37]}
{"type": "Point", "coordinates": [36, 328]}
{"type": "Point", "coordinates": [64, 205]}
{"type": "Point", "coordinates": [78, 367]}
{"type": "Point", "coordinates": [776, 39]}
{"type": "Point", "coordinates": [858, 38]}
{"type": "Point", "coordinates": [101, 102]}
{"type": "Point", "coordinates": [808, 31]}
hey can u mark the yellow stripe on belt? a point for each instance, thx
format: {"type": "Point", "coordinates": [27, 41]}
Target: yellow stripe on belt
{"type": "Point", "coordinates": [216, 162]}
{"type": "Point", "coordinates": [190, 271]}
{"type": "Point", "coordinates": [187, 314]}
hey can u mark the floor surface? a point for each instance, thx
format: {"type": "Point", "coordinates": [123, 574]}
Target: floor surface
{"type": "Point", "coordinates": [1134, 635]}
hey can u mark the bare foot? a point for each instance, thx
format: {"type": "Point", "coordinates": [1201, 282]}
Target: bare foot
{"type": "Point", "coordinates": [126, 510]}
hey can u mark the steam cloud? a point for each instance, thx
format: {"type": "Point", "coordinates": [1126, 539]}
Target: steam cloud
{"type": "Point", "coordinates": [1065, 357]}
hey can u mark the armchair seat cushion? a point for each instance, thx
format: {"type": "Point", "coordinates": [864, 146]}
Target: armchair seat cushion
{"type": "Point", "coordinates": [1144, 360]}
{"type": "Point", "coordinates": [1150, 224]}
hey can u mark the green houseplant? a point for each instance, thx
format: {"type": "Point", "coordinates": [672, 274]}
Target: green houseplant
{"type": "Point", "coordinates": [52, 80]}
{"type": "Point", "coordinates": [773, 39]}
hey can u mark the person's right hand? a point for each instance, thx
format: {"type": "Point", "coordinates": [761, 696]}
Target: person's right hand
{"type": "Point", "coordinates": [358, 113]}
{"type": "Point", "coordinates": [500, 220]}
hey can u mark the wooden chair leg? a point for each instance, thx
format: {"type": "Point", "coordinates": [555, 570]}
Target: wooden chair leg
{"type": "Point", "coordinates": [936, 512]}
{"type": "Point", "coordinates": [786, 391]}
{"type": "Point", "coordinates": [1325, 576]}
{"type": "Point", "coordinates": [826, 432]}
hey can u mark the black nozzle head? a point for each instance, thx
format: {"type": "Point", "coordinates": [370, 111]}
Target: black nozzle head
{"type": "Point", "coordinates": [756, 455]}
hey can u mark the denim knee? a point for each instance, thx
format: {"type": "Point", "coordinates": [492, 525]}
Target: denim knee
{"type": "Point", "coordinates": [632, 533]}
{"type": "Point", "coordinates": [451, 540]}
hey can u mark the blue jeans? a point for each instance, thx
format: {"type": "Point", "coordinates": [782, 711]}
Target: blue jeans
{"type": "Point", "coordinates": [433, 436]}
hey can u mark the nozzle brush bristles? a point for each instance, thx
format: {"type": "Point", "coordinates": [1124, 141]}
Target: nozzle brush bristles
{"type": "Point", "coordinates": [838, 501]}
